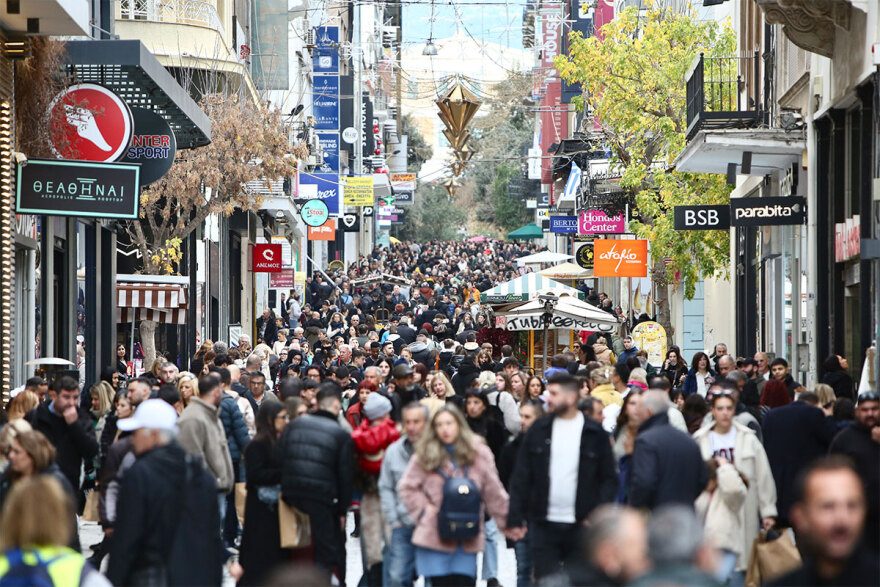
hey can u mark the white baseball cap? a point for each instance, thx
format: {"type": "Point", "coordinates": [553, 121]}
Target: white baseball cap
{"type": "Point", "coordinates": [153, 413]}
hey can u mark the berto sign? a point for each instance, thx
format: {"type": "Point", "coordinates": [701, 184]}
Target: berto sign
{"type": "Point", "coordinates": [768, 211]}
{"type": "Point", "coordinates": [77, 188]}
{"type": "Point", "coordinates": [267, 258]}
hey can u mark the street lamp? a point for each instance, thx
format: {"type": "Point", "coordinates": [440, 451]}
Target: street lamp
{"type": "Point", "coordinates": [430, 49]}
{"type": "Point", "coordinates": [546, 319]}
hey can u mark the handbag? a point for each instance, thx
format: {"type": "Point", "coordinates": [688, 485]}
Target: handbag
{"type": "Point", "coordinates": [240, 501]}
{"type": "Point", "coordinates": [773, 555]}
{"type": "Point", "coordinates": [90, 511]}
{"type": "Point", "coordinates": [295, 527]}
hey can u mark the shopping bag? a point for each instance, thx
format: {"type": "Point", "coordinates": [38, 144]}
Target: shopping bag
{"type": "Point", "coordinates": [90, 511]}
{"type": "Point", "coordinates": [772, 556]}
{"type": "Point", "coordinates": [240, 500]}
{"type": "Point", "coordinates": [296, 531]}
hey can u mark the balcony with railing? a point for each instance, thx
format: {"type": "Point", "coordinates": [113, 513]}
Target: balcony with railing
{"type": "Point", "coordinates": [725, 93]}
{"type": "Point", "coordinates": [188, 12]}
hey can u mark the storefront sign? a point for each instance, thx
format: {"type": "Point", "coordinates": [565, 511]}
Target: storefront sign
{"type": "Point", "coordinates": [329, 142]}
{"type": "Point", "coordinates": [153, 145]}
{"type": "Point", "coordinates": [357, 191]}
{"type": "Point", "coordinates": [651, 337]}
{"type": "Point", "coordinates": [584, 256]}
{"type": "Point", "coordinates": [564, 224]}
{"type": "Point", "coordinates": [320, 186]}
{"type": "Point", "coordinates": [350, 223]}
{"type": "Point", "coordinates": [314, 213]}
{"type": "Point", "coordinates": [267, 258]}
{"type": "Point", "coordinates": [91, 124]}
{"type": "Point", "coordinates": [620, 258]}
{"type": "Point", "coordinates": [325, 232]}
{"type": "Point", "coordinates": [768, 211]}
{"type": "Point", "coordinates": [404, 186]}
{"type": "Point", "coordinates": [597, 222]}
{"type": "Point", "coordinates": [702, 217]}
{"type": "Point", "coordinates": [847, 239]}
{"type": "Point", "coordinates": [535, 322]}
{"type": "Point", "coordinates": [284, 279]}
{"type": "Point", "coordinates": [78, 188]}
{"type": "Point", "coordinates": [325, 106]}
{"type": "Point", "coordinates": [325, 55]}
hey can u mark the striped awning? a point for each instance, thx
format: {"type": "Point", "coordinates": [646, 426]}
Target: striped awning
{"type": "Point", "coordinates": [165, 303]}
{"type": "Point", "coordinates": [525, 288]}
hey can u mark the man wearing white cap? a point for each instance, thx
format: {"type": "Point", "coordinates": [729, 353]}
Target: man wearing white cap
{"type": "Point", "coordinates": [167, 515]}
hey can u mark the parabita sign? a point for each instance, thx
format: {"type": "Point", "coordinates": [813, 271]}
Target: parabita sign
{"type": "Point", "coordinates": [77, 188]}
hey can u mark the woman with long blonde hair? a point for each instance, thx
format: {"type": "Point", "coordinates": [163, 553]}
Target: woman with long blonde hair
{"type": "Point", "coordinates": [23, 403]}
{"type": "Point", "coordinates": [446, 450]}
{"type": "Point", "coordinates": [187, 387]}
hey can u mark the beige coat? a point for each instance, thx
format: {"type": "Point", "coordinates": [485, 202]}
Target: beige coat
{"type": "Point", "coordinates": [721, 510]}
{"type": "Point", "coordinates": [202, 435]}
{"type": "Point", "coordinates": [604, 354]}
{"type": "Point", "coordinates": [751, 461]}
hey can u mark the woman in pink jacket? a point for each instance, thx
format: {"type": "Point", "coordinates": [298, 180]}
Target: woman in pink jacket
{"type": "Point", "coordinates": [449, 445]}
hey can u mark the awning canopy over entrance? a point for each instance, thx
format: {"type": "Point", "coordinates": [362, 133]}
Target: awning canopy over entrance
{"type": "Point", "coordinates": [525, 288]}
{"type": "Point", "coordinates": [146, 297]}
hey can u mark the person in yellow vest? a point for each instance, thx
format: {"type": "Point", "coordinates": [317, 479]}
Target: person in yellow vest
{"type": "Point", "coordinates": [33, 531]}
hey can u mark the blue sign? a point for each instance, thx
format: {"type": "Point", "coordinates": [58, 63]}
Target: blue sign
{"type": "Point", "coordinates": [329, 142]}
{"type": "Point", "coordinates": [327, 190]}
{"type": "Point", "coordinates": [564, 224]}
{"type": "Point", "coordinates": [325, 56]}
{"type": "Point", "coordinates": [325, 103]}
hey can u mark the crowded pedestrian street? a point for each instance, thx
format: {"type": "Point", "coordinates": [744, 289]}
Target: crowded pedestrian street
{"type": "Point", "coordinates": [439, 293]}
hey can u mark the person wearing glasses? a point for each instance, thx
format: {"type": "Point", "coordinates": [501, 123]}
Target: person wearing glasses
{"type": "Point", "coordinates": [860, 441]}
{"type": "Point", "coordinates": [729, 442]}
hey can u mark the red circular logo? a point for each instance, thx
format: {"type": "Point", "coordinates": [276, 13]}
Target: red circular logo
{"type": "Point", "coordinates": [90, 123]}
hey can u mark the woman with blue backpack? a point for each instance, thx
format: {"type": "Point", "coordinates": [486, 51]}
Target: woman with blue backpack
{"type": "Point", "coordinates": [450, 480]}
{"type": "Point", "coordinates": [34, 530]}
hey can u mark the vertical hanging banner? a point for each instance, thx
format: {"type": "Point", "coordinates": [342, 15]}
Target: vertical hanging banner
{"type": "Point", "coordinates": [329, 142]}
{"type": "Point", "coordinates": [325, 56]}
{"type": "Point", "coordinates": [554, 115]}
{"type": "Point", "coordinates": [326, 102]}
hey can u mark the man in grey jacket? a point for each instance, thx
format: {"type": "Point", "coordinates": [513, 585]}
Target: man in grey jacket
{"type": "Point", "coordinates": [400, 555]}
{"type": "Point", "coordinates": [202, 435]}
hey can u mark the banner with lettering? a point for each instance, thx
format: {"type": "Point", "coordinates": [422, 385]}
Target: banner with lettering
{"type": "Point", "coordinates": [620, 258]}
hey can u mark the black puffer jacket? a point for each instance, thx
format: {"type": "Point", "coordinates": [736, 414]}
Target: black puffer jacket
{"type": "Point", "coordinates": [317, 461]}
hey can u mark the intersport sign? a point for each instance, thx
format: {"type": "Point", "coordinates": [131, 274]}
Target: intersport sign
{"type": "Point", "coordinates": [768, 211]}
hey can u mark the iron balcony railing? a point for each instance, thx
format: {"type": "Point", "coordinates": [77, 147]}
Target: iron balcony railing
{"type": "Point", "coordinates": [725, 92]}
{"type": "Point", "coordinates": [192, 12]}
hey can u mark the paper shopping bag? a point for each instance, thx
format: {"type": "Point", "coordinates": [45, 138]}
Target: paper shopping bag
{"type": "Point", "coordinates": [295, 528]}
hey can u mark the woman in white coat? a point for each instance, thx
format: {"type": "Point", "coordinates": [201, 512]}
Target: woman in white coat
{"type": "Point", "coordinates": [739, 445]}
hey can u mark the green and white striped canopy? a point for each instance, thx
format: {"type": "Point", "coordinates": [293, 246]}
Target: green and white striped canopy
{"type": "Point", "coordinates": [525, 288]}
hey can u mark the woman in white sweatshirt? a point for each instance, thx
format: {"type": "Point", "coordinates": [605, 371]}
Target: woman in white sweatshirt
{"type": "Point", "coordinates": [738, 445]}
{"type": "Point", "coordinates": [720, 507]}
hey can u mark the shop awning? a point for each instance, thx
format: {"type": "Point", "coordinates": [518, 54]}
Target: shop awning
{"type": "Point", "coordinates": [525, 288]}
{"type": "Point", "coordinates": [565, 271]}
{"type": "Point", "coordinates": [529, 231]}
{"type": "Point", "coordinates": [163, 299]}
{"type": "Point", "coordinates": [128, 68]}
{"type": "Point", "coordinates": [543, 257]}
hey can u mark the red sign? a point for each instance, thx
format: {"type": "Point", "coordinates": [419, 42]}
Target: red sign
{"type": "Point", "coordinates": [267, 258]}
{"type": "Point", "coordinates": [620, 258]}
{"type": "Point", "coordinates": [554, 114]}
{"type": "Point", "coordinates": [325, 232]}
{"type": "Point", "coordinates": [847, 239]}
{"type": "Point", "coordinates": [90, 123]}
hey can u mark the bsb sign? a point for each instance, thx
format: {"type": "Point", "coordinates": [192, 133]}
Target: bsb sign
{"type": "Point", "coordinates": [702, 217]}
{"type": "Point", "coordinates": [620, 258]}
{"type": "Point", "coordinates": [78, 188]}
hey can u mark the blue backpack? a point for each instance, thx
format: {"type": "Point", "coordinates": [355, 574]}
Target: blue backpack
{"type": "Point", "coordinates": [459, 516]}
{"type": "Point", "coordinates": [21, 574]}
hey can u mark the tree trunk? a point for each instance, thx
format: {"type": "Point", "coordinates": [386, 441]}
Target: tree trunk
{"type": "Point", "coordinates": [661, 297]}
{"type": "Point", "coordinates": [148, 341]}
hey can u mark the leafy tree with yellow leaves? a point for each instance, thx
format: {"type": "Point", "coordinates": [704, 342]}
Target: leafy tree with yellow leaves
{"type": "Point", "coordinates": [633, 80]}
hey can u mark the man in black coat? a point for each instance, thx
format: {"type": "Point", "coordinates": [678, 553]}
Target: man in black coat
{"type": "Point", "coordinates": [167, 514]}
{"type": "Point", "coordinates": [407, 333]}
{"type": "Point", "coordinates": [266, 330]}
{"type": "Point", "coordinates": [67, 427]}
{"type": "Point", "coordinates": [667, 467]}
{"type": "Point", "coordinates": [794, 436]}
{"type": "Point", "coordinates": [860, 441]}
{"type": "Point", "coordinates": [564, 469]}
{"type": "Point", "coordinates": [317, 463]}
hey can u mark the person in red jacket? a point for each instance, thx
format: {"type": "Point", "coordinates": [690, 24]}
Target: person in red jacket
{"type": "Point", "coordinates": [374, 434]}
{"type": "Point", "coordinates": [355, 412]}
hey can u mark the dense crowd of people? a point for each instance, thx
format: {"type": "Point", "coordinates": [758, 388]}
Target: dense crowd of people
{"type": "Point", "coordinates": [378, 393]}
